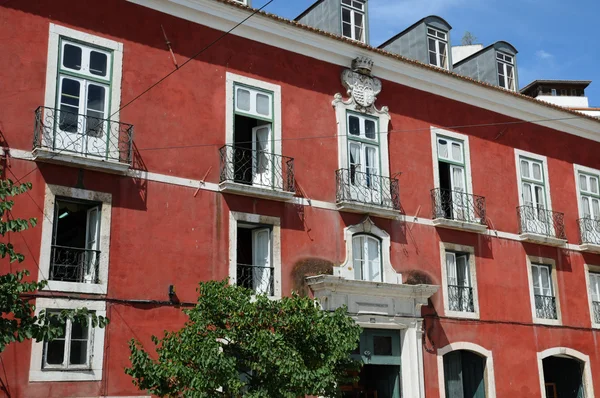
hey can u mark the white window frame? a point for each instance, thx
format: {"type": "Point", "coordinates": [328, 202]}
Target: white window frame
{"type": "Point", "coordinates": [438, 55]}
{"type": "Point", "coordinates": [249, 218]}
{"type": "Point", "coordinates": [67, 348]}
{"type": "Point", "coordinates": [52, 191]}
{"type": "Point", "coordinates": [502, 58]}
{"type": "Point", "coordinates": [591, 269]}
{"type": "Point", "coordinates": [542, 159]}
{"type": "Point", "coordinates": [116, 70]}
{"type": "Point", "coordinates": [368, 227]}
{"type": "Point", "coordinates": [489, 376]}
{"type": "Point", "coordinates": [579, 169]}
{"type": "Point", "coordinates": [551, 263]}
{"type": "Point", "coordinates": [359, 275]}
{"type": "Point", "coordinates": [470, 250]}
{"type": "Point", "coordinates": [464, 139]}
{"type": "Point", "coordinates": [231, 79]}
{"type": "Point", "coordinates": [353, 11]}
{"type": "Point", "coordinates": [96, 345]}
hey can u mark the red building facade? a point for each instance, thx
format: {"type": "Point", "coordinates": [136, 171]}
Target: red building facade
{"type": "Point", "coordinates": [257, 162]}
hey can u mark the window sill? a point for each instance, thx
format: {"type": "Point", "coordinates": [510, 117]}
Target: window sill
{"type": "Point", "coordinates": [459, 225]}
{"type": "Point", "coordinates": [590, 247]}
{"type": "Point", "coordinates": [461, 314]}
{"type": "Point", "coordinates": [542, 239]}
{"type": "Point", "coordinates": [363, 208]}
{"type": "Point", "coordinates": [73, 287]}
{"type": "Point", "coordinates": [544, 321]}
{"type": "Point", "coordinates": [70, 159]}
{"type": "Point", "coordinates": [255, 191]}
{"type": "Point", "coordinates": [65, 375]}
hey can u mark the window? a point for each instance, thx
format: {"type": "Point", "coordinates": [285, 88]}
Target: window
{"type": "Point", "coordinates": [595, 296]}
{"type": "Point", "coordinates": [554, 92]}
{"type": "Point", "coordinates": [255, 253]}
{"type": "Point", "coordinates": [534, 216]}
{"type": "Point", "coordinates": [589, 196]}
{"type": "Point", "coordinates": [75, 356]}
{"type": "Point", "coordinates": [254, 258]}
{"type": "Point", "coordinates": [363, 159]}
{"type": "Point", "coordinates": [438, 47]}
{"type": "Point", "coordinates": [366, 254]}
{"type": "Point", "coordinates": [460, 290]}
{"type": "Point", "coordinates": [75, 253]}
{"type": "Point", "coordinates": [353, 20]}
{"type": "Point", "coordinates": [506, 71]}
{"type": "Point", "coordinates": [545, 302]}
{"type": "Point", "coordinates": [72, 350]}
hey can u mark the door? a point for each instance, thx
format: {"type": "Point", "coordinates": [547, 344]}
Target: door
{"type": "Point", "coordinates": [261, 270]}
{"type": "Point", "coordinates": [262, 158]}
{"type": "Point", "coordinates": [91, 245]}
{"type": "Point", "coordinates": [464, 375]}
{"type": "Point", "coordinates": [535, 218]}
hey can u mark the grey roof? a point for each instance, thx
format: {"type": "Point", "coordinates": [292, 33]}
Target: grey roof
{"type": "Point", "coordinates": [582, 83]}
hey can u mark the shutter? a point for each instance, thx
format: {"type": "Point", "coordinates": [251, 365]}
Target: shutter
{"type": "Point", "coordinates": [374, 260]}
{"type": "Point", "coordinates": [453, 378]}
{"type": "Point", "coordinates": [261, 250]}
{"type": "Point", "coordinates": [451, 269]}
{"type": "Point", "coordinates": [92, 232]}
{"type": "Point", "coordinates": [261, 156]}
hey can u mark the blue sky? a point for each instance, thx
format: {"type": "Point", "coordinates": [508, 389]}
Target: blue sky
{"type": "Point", "coordinates": [556, 39]}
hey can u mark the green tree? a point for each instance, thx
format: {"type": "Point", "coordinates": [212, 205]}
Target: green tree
{"type": "Point", "coordinates": [238, 345]}
{"type": "Point", "coordinates": [18, 320]}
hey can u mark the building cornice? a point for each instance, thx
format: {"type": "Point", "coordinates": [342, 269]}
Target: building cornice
{"type": "Point", "coordinates": [301, 39]}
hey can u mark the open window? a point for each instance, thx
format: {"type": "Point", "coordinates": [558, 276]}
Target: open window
{"type": "Point", "coordinates": [366, 250]}
{"type": "Point", "coordinates": [506, 71]}
{"type": "Point", "coordinates": [353, 20]}
{"type": "Point", "coordinates": [255, 269]}
{"type": "Point", "coordinates": [363, 159]}
{"type": "Point", "coordinates": [437, 43]}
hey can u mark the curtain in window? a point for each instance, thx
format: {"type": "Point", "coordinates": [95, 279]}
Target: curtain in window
{"type": "Point", "coordinates": [261, 272]}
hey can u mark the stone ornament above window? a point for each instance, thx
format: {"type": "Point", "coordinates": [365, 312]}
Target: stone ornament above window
{"type": "Point", "coordinates": [362, 88]}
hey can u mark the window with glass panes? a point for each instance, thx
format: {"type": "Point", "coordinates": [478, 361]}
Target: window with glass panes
{"type": "Point", "coordinates": [595, 293]}
{"type": "Point", "coordinates": [353, 19]}
{"type": "Point", "coordinates": [84, 84]}
{"type": "Point", "coordinates": [71, 351]}
{"type": "Point", "coordinates": [366, 253]}
{"type": "Point", "coordinates": [437, 42]}
{"type": "Point", "coordinates": [545, 304]}
{"type": "Point", "coordinates": [452, 175]}
{"type": "Point", "coordinates": [458, 275]}
{"type": "Point", "coordinates": [363, 150]}
{"type": "Point", "coordinates": [589, 189]}
{"type": "Point", "coordinates": [506, 71]}
{"type": "Point", "coordinates": [532, 183]}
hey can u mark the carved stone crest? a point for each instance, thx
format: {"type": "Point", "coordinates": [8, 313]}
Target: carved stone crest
{"type": "Point", "coordinates": [360, 85]}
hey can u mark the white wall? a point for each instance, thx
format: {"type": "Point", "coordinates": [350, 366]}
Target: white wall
{"type": "Point", "coordinates": [566, 101]}
{"type": "Point", "coordinates": [461, 52]}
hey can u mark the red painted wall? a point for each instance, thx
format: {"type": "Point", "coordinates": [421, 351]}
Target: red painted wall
{"type": "Point", "coordinates": [165, 234]}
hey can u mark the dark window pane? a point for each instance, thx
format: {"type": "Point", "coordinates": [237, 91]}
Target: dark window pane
{"type": "Point", "coordinates": [370, 129]}
{"type": "Point", "coordinates": [98, 63]}
{"type": "Point", "coordinates": [354, 125]}
{"type": "Point", "coordinates": [431, 45]}
{"type": "Point", "coordinates": [55, 352]}
{"type": "Point", "coordinates": [69, 94]}
{"type": "Point", "coordinates": [501, 81]}
{"type": "Point", "coordinates": [345, 15]}
{"type": "Point", "coordinates": [78, 352]}
{"type": "Point", "coordinates": [346, 30]}
{"type": "Point", "coordinates": [432, 58]}
{"type": "Point", "coordinates": [382, 345]}
{"type": "Point", "coordinates": [72, 57]}
{"type": "Point", "coordinates": [79, 331]}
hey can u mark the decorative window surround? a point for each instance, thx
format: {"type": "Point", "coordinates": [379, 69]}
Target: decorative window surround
{"type": "Point", "coordinates": [50, 98]}
{"type": "Point", "coordinates": [473, 275]}
{"type": "Point", "coordinates": [490, 382]}
{"type": "Point", "coordinates": [346, 270]}
{"type": "Point", "coordinates": [231, 79]}
{"type": "Point", "coordinates": [52, 191]}
{"type": "Point", "coordinates": [383, 306]}
{"type": "Point", "coordinates": [591, 269]}
{"type": "Point", "coordinates": [531, 237]}
{"type": "Point", "coordinates": [577, 169]}
{"type": "Point", "coordinates": [552, 264]}
{"type": "Point", "coordinates": [234, 218]}
{"type": "Point", "coordinates": [444, 222]}
{"type": "Point", "coordinates": [588, 381]}
{"type": "Point", "coordinates": [36, 373]}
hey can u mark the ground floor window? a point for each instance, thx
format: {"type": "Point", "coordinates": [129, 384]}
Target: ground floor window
{"type": "Point", "coordinates": [464, 374]}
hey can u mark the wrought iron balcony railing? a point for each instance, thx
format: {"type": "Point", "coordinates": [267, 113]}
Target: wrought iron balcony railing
{"type": "Point", "coordinates": [458, 205]}
{"type": "Point", "coordinates": [596, 311]}
{"type": "Point", "coordinates": [589, 231]}
{"type": "Point", "coordinates": [259, 279]}
{"type": "Point", "coordinates": [257, 168]}
{"type": "Point", "coordinates": [540, 221]}
{"type": "Point", "coordinates": [460, 298]}
{"type": "Point", "coordinates": [71, 264]}
{"type": "Point", "coordinates": [84, 135]}
{"type": "Point", "coordinates": [366, 188]}
{"type": "Point", "coordinates": [545, 307]}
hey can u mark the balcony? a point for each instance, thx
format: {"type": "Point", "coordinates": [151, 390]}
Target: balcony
{"type": "Point", "coordinates": [71, 264]}
{"type": "Point", "coordinates": [256, 173]}
{"type": "Point", "coordinates": [258, 278]}
{"type": "Point", "coordinates": [589, 234]}
{"type": "Point", "coordinates": [538, 225]}
{"type": "Point", "coordinates": [458, 210]}
{"type": "Point", "coordinates": [80, 140]}
{"type": "Point", "coordinates": [545, 307]}
{"type": "Point", "coordinates": [359, 192]}
{"type": "Point", "coordinates": [460, 298]}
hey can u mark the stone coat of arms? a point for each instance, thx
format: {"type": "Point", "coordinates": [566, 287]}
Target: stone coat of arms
{"type": "Point", "coordinates": [361, 87]}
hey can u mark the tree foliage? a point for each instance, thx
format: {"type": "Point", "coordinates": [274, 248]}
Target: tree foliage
{"type": "Point", "coordinates": [237, 345]}
{"type": "Point", "coordinates": [18, 320]}
{"type": "Point", "coordinates": [468, 39]}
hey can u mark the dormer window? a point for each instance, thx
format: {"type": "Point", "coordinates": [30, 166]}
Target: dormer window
{"type": "Point", "coordinates": [353, 20]}
{"type": "Point", "coordinates": [437, 42]}
{"type": "Point", "coordinates": [506, 71]}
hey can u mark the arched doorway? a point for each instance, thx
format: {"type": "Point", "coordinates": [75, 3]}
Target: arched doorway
{"type": "Point", "coordinates": [565, 373]}
{"type": "Point", "coordinates": [464, 374]}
